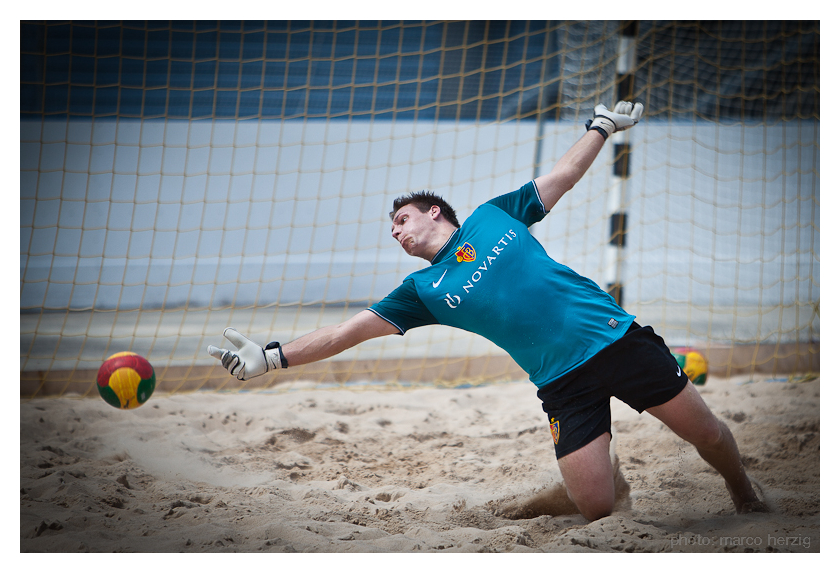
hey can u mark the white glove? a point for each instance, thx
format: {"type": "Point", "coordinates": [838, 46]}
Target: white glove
{"type": "Point", "coordinates": [250, 359]}
{"type": "Point", "coordinates": [624, 116]}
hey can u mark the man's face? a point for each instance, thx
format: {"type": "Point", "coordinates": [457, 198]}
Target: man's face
{"type": "Point", "coordinates": [413, 228]}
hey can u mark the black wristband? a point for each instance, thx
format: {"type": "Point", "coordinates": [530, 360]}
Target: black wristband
{"type": "Point", "coordinates": [598, 129]}
{"type": "Point", "coordinates": [271, 346]}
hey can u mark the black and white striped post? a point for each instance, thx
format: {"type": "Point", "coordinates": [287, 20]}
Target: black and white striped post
{"type": "Point", "coordinates": [625, 65]}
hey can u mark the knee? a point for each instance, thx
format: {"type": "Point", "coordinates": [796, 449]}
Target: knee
{"type": "Point", "coordinates": [597, 510]}
{"type": "Point", "coordinates": [596, 506]}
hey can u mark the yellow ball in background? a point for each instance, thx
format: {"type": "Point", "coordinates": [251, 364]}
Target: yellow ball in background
{"type": "Point", "coordinates": [693, 364]}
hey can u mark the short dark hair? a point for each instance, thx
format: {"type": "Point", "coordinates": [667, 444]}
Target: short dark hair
{"type": "Point", "coordinates": [424, 200]}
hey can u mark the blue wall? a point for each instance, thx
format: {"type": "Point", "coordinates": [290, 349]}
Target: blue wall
{"type": "Point", "coordinates": [477, 70]}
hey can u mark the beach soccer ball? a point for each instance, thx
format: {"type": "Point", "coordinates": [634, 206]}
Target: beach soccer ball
{"type": "Point", "coordinates": [125, 380]}
{"type": "Point", "coordinates": [693, 364]}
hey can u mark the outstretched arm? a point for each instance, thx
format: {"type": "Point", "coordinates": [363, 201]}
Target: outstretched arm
{"type": "Point", "coordinates": [578, 159]}
{"type": "Point", "coordinates": [568, 171]}
{"type": "Point", "coordinates": [331, 340]}
{"type": "Point", "coordinates": [250, 359]}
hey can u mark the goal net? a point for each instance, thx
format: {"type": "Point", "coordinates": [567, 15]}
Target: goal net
{"type": "Point", "coordinates": [177, 178]}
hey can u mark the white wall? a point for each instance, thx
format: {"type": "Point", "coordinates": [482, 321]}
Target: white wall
{"type": "Point", "coordinates": [146, 213]}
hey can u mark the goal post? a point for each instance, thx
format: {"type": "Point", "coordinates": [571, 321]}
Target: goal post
{"type": "Point", "coordinates": [177, 178]}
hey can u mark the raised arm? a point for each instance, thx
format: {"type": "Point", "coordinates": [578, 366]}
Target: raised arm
{"type": "Point", "coordinates": [250, 359]}
{"type": "Point", "coordinates": [568, 171]}
{"type": "Point", "coordinates": [578, 159]}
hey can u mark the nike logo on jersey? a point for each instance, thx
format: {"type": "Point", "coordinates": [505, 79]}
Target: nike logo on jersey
{"type": "Point", "coordinates": [436, 283]}
{"type": "Point", "coordinates": [679, 372]}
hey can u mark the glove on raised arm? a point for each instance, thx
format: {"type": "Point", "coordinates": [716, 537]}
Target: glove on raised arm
{"type": "Point", "coordinates": [624, 116]}
{"type": "Point", "coordinates": [249, 360]}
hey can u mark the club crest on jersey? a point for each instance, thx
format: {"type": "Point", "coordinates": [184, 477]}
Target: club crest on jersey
{"type": "Point", "coordinates": [555, 430]}
{"type": "Point", "coordinates": [465, 253]}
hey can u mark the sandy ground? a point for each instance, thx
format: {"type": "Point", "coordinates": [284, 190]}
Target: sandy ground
{"type": "Point", "coordinates": [429, 470]}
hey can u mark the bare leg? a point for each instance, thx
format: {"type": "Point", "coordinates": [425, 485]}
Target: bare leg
{"type": "Point", "coordinates": [689, 417]}
{"type": "Point", "coordinates": [556, 500]}
{"type": "Point", "coordinates": [589, 479]}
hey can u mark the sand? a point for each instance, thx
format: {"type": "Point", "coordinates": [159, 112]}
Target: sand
{"type": "Point", "coordinates": [430, 470]}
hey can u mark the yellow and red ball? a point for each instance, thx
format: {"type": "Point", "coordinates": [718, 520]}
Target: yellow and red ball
{"type": "Point", "coordinates": [125, 380]}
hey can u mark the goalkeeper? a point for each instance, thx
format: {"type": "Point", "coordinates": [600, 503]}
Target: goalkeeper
{"type": "Point", "coordinates": [492, 277]}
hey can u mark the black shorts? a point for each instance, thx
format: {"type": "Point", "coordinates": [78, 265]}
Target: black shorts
{"type": "Point", "coordinates": [638, 369]}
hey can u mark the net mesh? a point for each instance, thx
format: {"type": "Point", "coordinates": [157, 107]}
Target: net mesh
{"type": "Point", "coordinates": [181, 177]}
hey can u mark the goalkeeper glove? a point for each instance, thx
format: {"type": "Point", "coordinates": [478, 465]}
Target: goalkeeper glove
{"type": "Point", "coordinates": [250, 359]}
{"type": "Point", "coordinates": [624, 116]}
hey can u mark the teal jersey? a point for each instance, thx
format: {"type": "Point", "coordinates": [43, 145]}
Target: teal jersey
{"type": "Point", "coordinates": [496, 280]}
